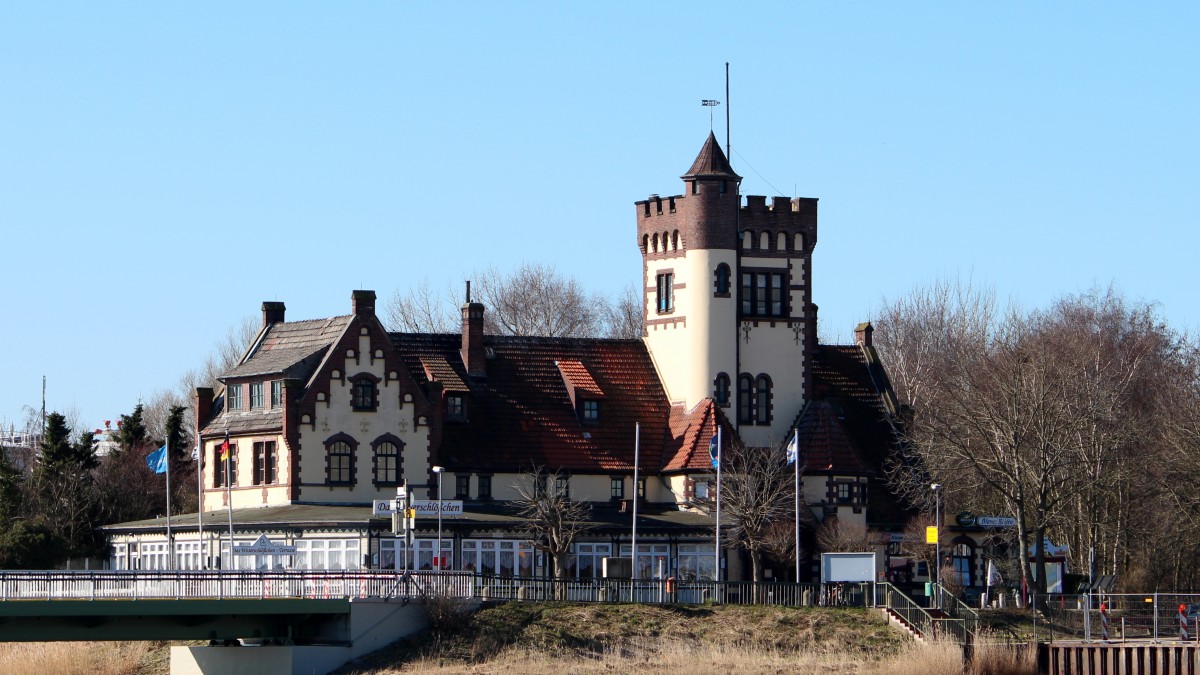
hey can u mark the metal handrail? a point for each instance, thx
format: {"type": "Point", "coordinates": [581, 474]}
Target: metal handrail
{"type": "Point", "coordinates": [957, 609]}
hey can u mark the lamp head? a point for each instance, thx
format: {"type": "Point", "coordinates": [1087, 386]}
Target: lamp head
{"type": "Point", "coordinates": [439, 469]}
{"type": "Point", "coordinates": [935, 487]}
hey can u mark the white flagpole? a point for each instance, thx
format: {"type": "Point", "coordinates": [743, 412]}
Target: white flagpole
{"type": "Point", "coordinates": [170, 543]}
{"type": "Point", "coordinates": [637, 446]}
{"type": "Point", "coordinates": [229, 492]}
{"type": "Point", "coordinates": [717, 542]}
{"type": "Point", "coordinates": [796, 462]}
{"type": "Point", "coordinates": [200, 497]}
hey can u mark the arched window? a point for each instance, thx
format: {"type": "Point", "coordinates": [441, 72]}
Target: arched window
{"type": "Point", "coordinates": [963, 561]}
{"type": "Point", "coordinates": [364, 392]}
{"type": "Point", "coordinates": [655, 249]}
{"type": "Point", "coordinates": [745, 399]}
{"type": "Point", "coordinates": [798, 243]}
{"type": "Point", "coordinates": [339, 459]}
{"type": "Point", "coordinates": [675, 240]}
{"type": "Point", "coordinates": [721, 283]}
{"type": "Point", "coordinates": [721, 389]}
{"type": "Point", "coordinates": [762, 400]}
{"type": "Point", "coordinates": [764, 241]}
{"type": "Point", "coordinates": [747, 240]}
{"type": "Point", "coordinates": [645, 244]}
{"type": "Point", "coordinates": [387, 460]}
{"type": "Point", "coordinates": [781, 242]}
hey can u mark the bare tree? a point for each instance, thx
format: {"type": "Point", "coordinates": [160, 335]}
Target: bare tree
{"type": "Point", "coordinates": [835, 535]}
{"type": "Point", "coordinates": [757, 493]}
{"type": "Point", "coordinates": [623, 315]}
{"type": "Point", "coordinates": [536, 299]}
{"type": "Point", "coordinates": [553, 518]}
{"type": "Point", "coordinates": [423, 310]}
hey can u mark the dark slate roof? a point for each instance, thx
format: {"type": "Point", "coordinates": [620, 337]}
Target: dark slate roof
{"type": "Point", "coordinates": [245, 421]}
{"type": "Point", "coordinates": [852, 382]}
{"type": "Point", "coordinates": [824, 443]}
{"type": "Point", "coordinates": [292, 349]}
{"type": "Point", "coordinates": [711, 162]}
{"type": "Point", "coordinates": [521, 412]}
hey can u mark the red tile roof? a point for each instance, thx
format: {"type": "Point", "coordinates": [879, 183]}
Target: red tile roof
{"type": "Point", "coordinates": [691, 432]}
{"type": "Point", "coordinates": [521, 413]}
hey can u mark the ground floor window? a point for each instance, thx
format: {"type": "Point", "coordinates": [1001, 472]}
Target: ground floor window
{"type": "Point", "coordinates": [653, 560]}
{"type": "Point", "coordinates": [695, 562]}
{"type": "Point", "coordinates": [587, 562]}
{"type": "Point", "coordinates": [391, 554]}
{"type": "Point", "coordinates": [259, 561]}
{"type": "Point", "coordinates": [188, 556]}
{"type": "Point", "coordinates": [327, 554]}
{"type": "Point", "coordinates": [152, 556]}
{"type": "Point", "coordinates": [498, 556]}
{"type": "Point", "coordinates": [120, 557]}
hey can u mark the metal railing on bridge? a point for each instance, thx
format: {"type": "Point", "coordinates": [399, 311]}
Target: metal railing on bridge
{"type": "Point", "coordinates": [185, 584]}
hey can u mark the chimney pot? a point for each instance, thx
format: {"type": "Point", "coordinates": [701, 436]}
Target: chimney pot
{"type": "Point", "coordinates": [363, 303]}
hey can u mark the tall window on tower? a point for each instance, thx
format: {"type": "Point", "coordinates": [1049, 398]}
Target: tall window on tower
{"type": "Point", "coordinates": [666, 292]}
{"type": "Point", "coordinates": [762, 293]}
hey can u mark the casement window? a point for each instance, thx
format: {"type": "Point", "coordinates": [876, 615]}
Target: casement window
{"type": "Point", "coordinates": [616, 487]}
{"type": "Point", "coordinates": [590, 410]}
{"type": "Point", "coordinates": [666, 293]}
{"type": "Point", "coordinates": [462, 486]}
{"type": "Point", "coordinates": [498, 556]}
{"type": "Point", "coordinates": [233, 397]}
{"type": "Point", "coordinates": [762, 294]}
{"type": "Point", "coordinates": [363, 393]}
{"type": "Point", "coordinates": [266, 462]}
{"type": "Point", "coordinates": [754, 399]}
{"type": "Point", "coordinates": [339, 460]}
{"type": "Point", "coordinates": [721, 390]}
{"type": "Point", "coordinates": [696, 562]}
{"type": "Point", "coordinates": [562, 486]}
{"type": "Point", "coordinates": [762, 400]}
{"type": "Point", "coordinates": [221, 466]}
{"type": "Point", "coordinates": [485, 487]}
{"type": "Point", "coordinates": [276, 393]}
{"type": "Point", "coordinates": [456, 407]}
{"type": "Point", "coordinates": [256, 395]}
{"type": "Point", "coordinates": [721, 281]}
{"type": "Point", "coordinates": [387, 463]}
{"type": "Point", "coordinates": [588, 560]}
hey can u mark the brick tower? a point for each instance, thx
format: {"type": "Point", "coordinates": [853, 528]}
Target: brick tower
{"type": "Point", "coordinates": [728, 302]}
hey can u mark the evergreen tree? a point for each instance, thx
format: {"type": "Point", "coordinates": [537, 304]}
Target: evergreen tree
{"type": "Point", "coordinates": [11, 493]}
{"type": "Point", "coordinates": [131, 431]}
{"type": "Point", "coordinates": [175, 432]}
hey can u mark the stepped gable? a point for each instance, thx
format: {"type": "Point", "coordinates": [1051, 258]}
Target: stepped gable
{"type": "Point", "coordinates": [521, 413]}
{"type": "Point", "coordinates": [691, 432]}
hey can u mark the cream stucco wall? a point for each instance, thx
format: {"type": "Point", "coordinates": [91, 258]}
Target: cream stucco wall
{"type": "Point", "coordinates": [691, 351]}
{"type": "Point", "coordinates": [245, 494]}
{"type": "Point", "coordinates": [395, 414]}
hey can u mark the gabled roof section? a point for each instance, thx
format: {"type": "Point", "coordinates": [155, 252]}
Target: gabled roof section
{"type": "Point", "coordinates": [825, 446]}
{"type": "Point", "coordinates": [521, 413]}
{"type": "Point", "coordinates": [291, 349]}
{"type": "Point", "coordinates": [438, 369]}
{"type": "Point", "coordinates": [711, 162]}
{"type": "Point", "coordinates": [691, 432]}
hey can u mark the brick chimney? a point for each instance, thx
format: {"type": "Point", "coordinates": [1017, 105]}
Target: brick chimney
{"type": "Point", "coordinates": [272, 313]}
{"type": "Point", "coordinates": [472, 337]}
{"type": "Point", "coordinates": [363, 303]}
{"type": "Point", "coordinates": [862, 334]}
{"type": "Point", "coordinates": [204, 406]}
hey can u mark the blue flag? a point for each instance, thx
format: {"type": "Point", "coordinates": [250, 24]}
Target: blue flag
{"type": "Point", "coordinates": [714, 450]}
{"type": "Point", "coordinates": [792, 451]}
{"type": "Point", "coordinates": [157, 460]}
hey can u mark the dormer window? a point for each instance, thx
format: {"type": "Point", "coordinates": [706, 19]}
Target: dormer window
{"type": "Point", "coordinates": [456, 407]}
{"type": "Point", "coordinates": [233, 397]}
{"type": "Point", "coordinates": [590, 411]}
{"type": "Point", "coordinates": [364, 392]}
{"type": "Point", "coordinates": [276, 393]}
{"type": "Point", "coordinates": [256, 395]}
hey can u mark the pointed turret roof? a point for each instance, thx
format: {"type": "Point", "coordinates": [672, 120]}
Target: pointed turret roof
{"type": "Point", "coordinates": [711, 162]}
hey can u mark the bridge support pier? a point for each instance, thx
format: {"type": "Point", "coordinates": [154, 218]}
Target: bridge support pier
{"type": "Point", "coordinates": [372, 624]}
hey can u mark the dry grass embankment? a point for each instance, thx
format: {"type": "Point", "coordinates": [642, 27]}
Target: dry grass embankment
{"type": "Point", "coordinates": [539, 638]}
{"type": "Point", "coordinates": [94, 658]}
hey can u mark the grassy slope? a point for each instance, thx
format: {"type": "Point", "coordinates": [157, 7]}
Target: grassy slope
{"type": "Point", "coordinates": [589, 631]}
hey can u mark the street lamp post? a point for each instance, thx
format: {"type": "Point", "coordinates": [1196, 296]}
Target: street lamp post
{"type": "Point", "coordinates": [439, 470]}
{"type": "Point", "coordinates": [937, 521]}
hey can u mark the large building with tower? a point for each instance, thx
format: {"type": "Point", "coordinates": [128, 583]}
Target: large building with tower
{"type": "Point", "coordinates": [324, 416]}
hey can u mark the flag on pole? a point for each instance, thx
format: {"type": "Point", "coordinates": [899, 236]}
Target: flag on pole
{"type": "Point", "coordinates": [225, 448]}
{"type": "Point", "coordinates": [714, 450]}
{"type": "Point", "coordinates": [993, 575]}
{"type": "Point", "coordinates": [792, 450]}
{"type": "Point", "coordinates": [157, 460]}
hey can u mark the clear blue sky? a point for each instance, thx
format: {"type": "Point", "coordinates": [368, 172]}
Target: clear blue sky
{"type": "Point", "coordinates": [166, 167]}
